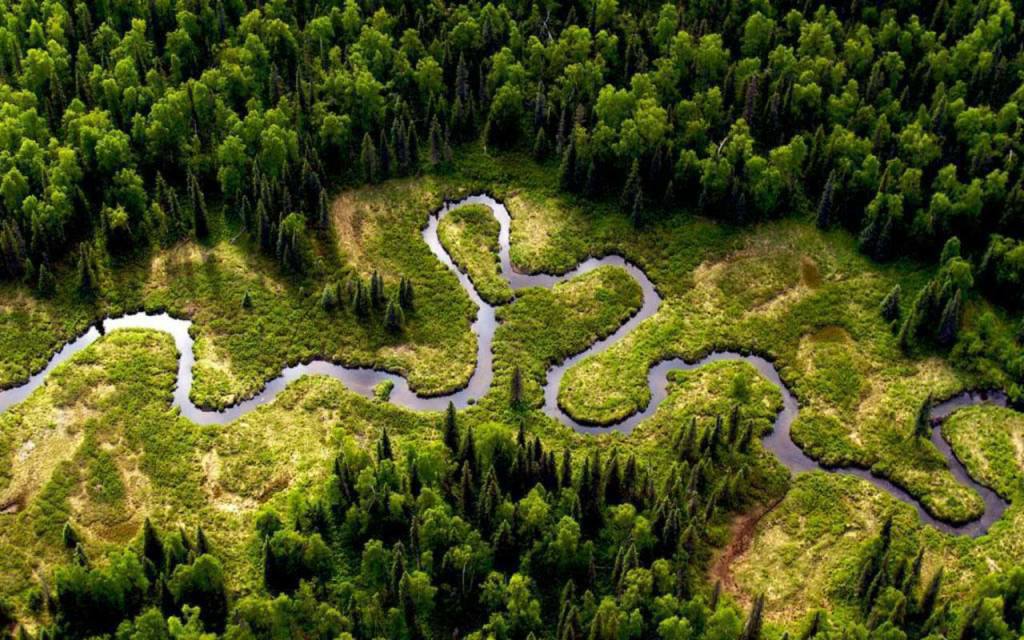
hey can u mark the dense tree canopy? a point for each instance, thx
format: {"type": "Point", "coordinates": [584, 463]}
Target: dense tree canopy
{"type": "Point", "coordinates": [127, 121]}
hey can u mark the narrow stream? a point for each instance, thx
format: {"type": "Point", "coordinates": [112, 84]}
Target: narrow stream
{"type": "Point", "coordinates": [363, 380]}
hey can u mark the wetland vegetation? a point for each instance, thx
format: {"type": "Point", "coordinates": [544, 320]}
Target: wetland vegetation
{"type": "Point", "coordinates": [833, 186]}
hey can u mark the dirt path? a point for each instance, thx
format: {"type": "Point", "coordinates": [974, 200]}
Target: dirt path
{"type": "Point", "coordinates": [741, 534]}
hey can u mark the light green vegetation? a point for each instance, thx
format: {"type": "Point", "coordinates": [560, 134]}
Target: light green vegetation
{"type": "Point", "coordinates": [806, 553]}
{"type": "Point", "coordinates": [809, 302]}
{"type": "Point", "coordinates": [470, 235]}
{"type": "Point", "coordinates": [98, 445]}
{"type": "Point", "coordinates": [989, 440]}
{"type": "Point", "coordinates": [383, 390]}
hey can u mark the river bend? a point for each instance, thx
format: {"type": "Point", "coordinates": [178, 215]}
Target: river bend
{"type": "Point", "coordinates": [363, 380]}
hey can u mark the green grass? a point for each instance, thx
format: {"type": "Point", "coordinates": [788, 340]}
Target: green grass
{"type": "Point", "coordinates": [989, 440]}
{"type": "Point", "coordinates": [470, 235]}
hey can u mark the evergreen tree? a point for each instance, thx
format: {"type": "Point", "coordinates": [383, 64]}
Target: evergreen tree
{"type": "Point", "coordinates": [247, 300]}
{"type": "Point", "coordinates": [368, 160]}
{"type": "Point", "coordinates": [949, 321]}
{"type": "Point", "coordinates": [200, 217]}
{"type": "Point", "coordinates": [87, 283]}
{"type": "Point", "coordinates": [891, 305]}
{"type": "Point", "coordinates": [516, 388]}
{"type": "Point", "coordinates": [47, 284]}
{"type": "Point", "coordinates": [152, 546]}
{"type": "Point", "coordinates": [825, 203]}
{"type": "Point", "coordinates": [436, 142]}
{"type": "Point", "coordinates": [637, 212]}
{"type": "Point", "coordinates": [406, 297]}
{"type": "Point", "coordinates": [540, 145]}
{"type": "Point", "coordinates": [376, 290]}
{"type": "Point", "coordinates": [567, 169]}
{"type": "Point", "coordinates": [329, 297]}
{"type": "Point", "coordinates": [394, 319]}
{"type": "Point", "coordinates": [384, 451]}
{"type": "Point", "coordinates": [632, 188]}
{"type": "Point", "coordinates": [752, 630]}
{"type": "Point", "coordinates": [451, 430]}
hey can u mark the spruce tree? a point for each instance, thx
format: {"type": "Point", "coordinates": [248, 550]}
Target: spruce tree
{"type": "Point", "coordinates": [47, 284]}
{"type": "Point", "coordinates": [752, 630]}
{"type": "Point", "coordinates": [406, 297]}
{"type": "Point", "coordinates": [200, 217]}
{"type": "Point", "coordinates": [516, 388]}
{"type": "Point", "coordinates": [632, 187]}
{"type": "Point", "coordinates": [451, 430]}
{"type": "Point", "coordinates": [376, 290]}
{"type": "Point", "coordinates": [567, 170]}
{"type": "Point", "coordinates": [637, 212]}
{"type": "Point", "coordinates": [152, 546]}
{"type": "Point", "coordinates": [368, 159]}
{"type": "Point", "coordinates": [86, 271]}
{"type": "Point", "coordinates": [891, 305]}
{"type": "Point", "coordinates": [540, 145]}
{"type": "Point", "coordinates": [384, 450]}
{"type": "Point", "coordinates": [394, 319]}
{"type": "Point", "coordinates": [825, 203]}
{"type": "Point", "coordinates": [329, 297]}
{"type": "Point", "coordinates": [436, 142]}
{"type": "Point", "coordinates": [949, 321]}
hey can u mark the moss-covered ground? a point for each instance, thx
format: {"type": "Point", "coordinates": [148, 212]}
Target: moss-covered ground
{"type": "Point", "coordinates": [99, 444]}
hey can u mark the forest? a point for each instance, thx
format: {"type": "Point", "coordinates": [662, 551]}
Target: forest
{"type": "Point", "coordinates": [836, 185]}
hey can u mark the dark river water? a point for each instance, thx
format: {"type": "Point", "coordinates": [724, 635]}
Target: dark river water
{"type": "Point", "coordinates": [363, 380]}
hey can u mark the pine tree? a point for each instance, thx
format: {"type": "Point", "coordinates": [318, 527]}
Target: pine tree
{"type": "Point", "coordinates": [632, 187]}
{"type": "Point", "coordinates": [394, 319]}
{"type": "Point", "coordinates": [323, 217]}
{"type": "Point", "coordinates": [360, 299]}
{"type": "Point", "coordinates": [825, 203]}
{"type": "Point", "coordinates": [406, 298]}
{"type": "Point", "coordinates": [247, 300]}
{"type": "Point", "coordinates": [368, 159]}
{"type": "Point", "coordinates": [451, 430]}
{"type": "Point", "coordinates": [540, 145]}
{"type": "Point", "coordinates": [949, 322]}
{"type": "Point", "coordinates": [47, 284]}
{"type": "Point", "coordinates": [376, 290]}
{"type": "Point", "coordinates": [467, 499]}
{"type": "Point", "coordinates": [891, 305]}
{"type": "Point", "coordinates": [752, 630]}
{"type": "Point", "coordinates": [202, 544]}
{"type": "Point", "coordinates": [384, 451]}
{"type": "Point", "coordinates": [384, 154]}
{"type": "Point", "coordinates": [69, 536]}
{"type": "Point", "coordinates": [200, 217]}
{"type": "Point", "coordinates": [329, 297]}
{"type": "Point", "coordinates": [930, 597]}
{"type": "Point", "coordinates": [516, 388]}
{"type": "Point", "coordinates": [436, 141]}
{"type": "Point", "coordinates": [565, 474]}
{"type": "Point", "coordinates": [637, 213]}
{"type": "Point", "coordinates": [467, 452]}
{"type": "Point", "coordinates": [86, 271]}
{"type": "Point", "coordinates": [567, 170]}
{"type": "Point", "coordinates": [153, 546]}
{"type": "Point", "coordinates": [814, 627]}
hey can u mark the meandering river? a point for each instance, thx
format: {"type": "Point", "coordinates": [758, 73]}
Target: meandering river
{"type": "Point", "coordinates": [363, 380]}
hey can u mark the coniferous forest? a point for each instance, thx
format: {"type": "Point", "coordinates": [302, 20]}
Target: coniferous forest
{"type": "Point", "coordinates": [835, 185]}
